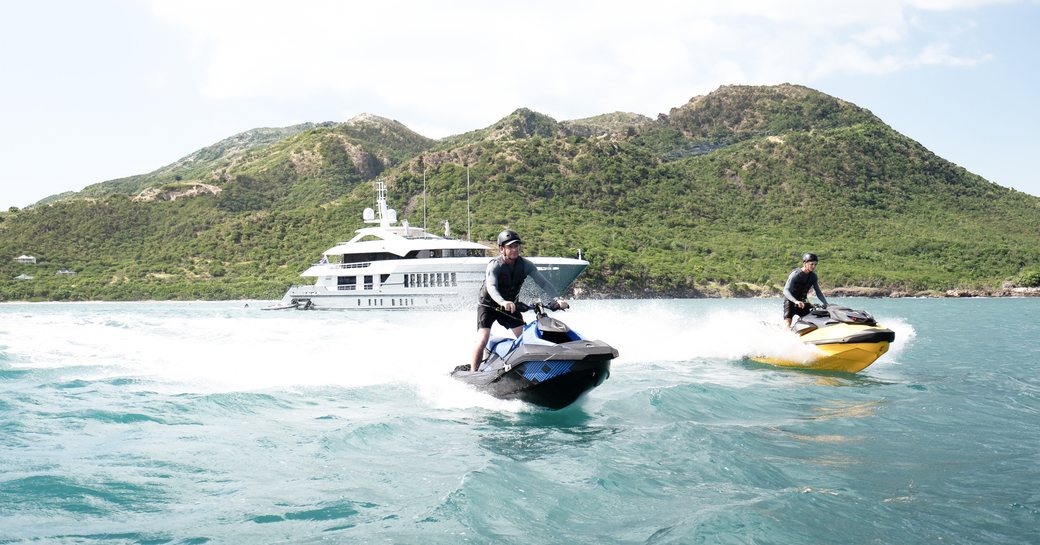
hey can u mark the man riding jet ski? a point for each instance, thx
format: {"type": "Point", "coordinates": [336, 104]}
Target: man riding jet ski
{"type": "Point", "coordinates": [549, 364]}
{"type": "Point", "coordinates": [844, 339]}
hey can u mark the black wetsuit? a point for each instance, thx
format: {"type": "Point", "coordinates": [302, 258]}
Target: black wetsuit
{"type": "Point", "coordinates": [797, 290]}
{"type": "Point", "coordinates": [502, 283]}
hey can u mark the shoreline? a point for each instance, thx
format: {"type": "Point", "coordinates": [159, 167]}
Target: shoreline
{"type": "Point", "coordinates": [715, 292]}
{"type": "Point", "coordinates": [725, 292]}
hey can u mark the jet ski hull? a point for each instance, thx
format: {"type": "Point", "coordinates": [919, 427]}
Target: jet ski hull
{"type": "Point", "coordinates": [549, 384]}
{"type": "Point", "coordinates": [838, 346]}
{"type": "Point", "coordinates": [550, 365]}
{"type": "Point", "coordinates": [839, 357]}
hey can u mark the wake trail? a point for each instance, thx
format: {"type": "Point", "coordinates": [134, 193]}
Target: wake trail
{"type": "Point", "coordinates": [230, 350]}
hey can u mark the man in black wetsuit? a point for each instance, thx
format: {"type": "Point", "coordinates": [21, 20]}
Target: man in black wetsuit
{"type": "Point", "coordinates": [796, 291]}
{"type": "Point", "coordinates": [502, 282]}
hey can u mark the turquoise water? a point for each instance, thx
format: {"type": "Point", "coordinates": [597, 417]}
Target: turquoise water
{"type": "Point", "coordinates": [154, 423]}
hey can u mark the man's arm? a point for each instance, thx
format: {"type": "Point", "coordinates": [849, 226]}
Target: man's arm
{"type": "Point", "coordinates": [819, 292]}
{"type": "Point", "coordinates": [787, 287]}
{"type": "Point", "coordinates": [491, 282]}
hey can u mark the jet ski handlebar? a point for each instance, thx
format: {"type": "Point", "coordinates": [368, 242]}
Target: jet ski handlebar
{"type": "Point", "coordinates": [538, 307]}
{"type": "Point", "coordinates": [818, 310]}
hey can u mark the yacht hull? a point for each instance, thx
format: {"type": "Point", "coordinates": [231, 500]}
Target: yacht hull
{"type": "Point", "coordinates": [400, 267]}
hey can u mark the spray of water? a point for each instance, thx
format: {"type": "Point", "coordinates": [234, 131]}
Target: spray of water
{"type": "Point", "coordinates": [680, 332]}
{"type": "Point", "coordinates": [217, 349]}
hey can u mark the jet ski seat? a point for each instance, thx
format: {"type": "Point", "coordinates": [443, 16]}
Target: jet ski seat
{"type": "Point", "coordinates": [849, 316]}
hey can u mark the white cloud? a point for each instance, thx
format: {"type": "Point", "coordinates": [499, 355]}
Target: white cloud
{"type": "Point", "coordinates": [140, 84]}
{"type": "Point", "coordinates": [467, 63]}
{"type": "Point", "coordinates": [951, 5]}
{"type": "Point", "coordinates": [939, 54]}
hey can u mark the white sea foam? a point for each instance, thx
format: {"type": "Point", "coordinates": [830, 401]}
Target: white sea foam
{"type": "Point", "coordinates": [199, 350]}
{"type": "Point", "coordinates": [665, 331]}
{"type": "Point", "coordinates": [683, 430]}
{"type": "Point", "coordinates": [205, 348]}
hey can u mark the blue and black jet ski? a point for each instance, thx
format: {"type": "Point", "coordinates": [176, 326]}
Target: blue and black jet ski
{"type": "Point", "coordinates": [549, 364]}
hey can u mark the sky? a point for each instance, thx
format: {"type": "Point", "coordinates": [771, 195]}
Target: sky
{"type": "Point", "coordinates": [99, 90]}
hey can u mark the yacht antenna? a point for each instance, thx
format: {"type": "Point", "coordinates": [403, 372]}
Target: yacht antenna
{"type": "Point", "coordinates": [423, 192]}
{"type": "Point", "coordinates": [382, 215]}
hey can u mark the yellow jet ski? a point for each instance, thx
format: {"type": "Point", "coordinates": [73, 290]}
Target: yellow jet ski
{"type": "Point", "coordinates": [842, 339]}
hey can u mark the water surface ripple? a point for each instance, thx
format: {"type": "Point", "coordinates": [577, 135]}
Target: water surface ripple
{"type": "Point", "coordinates": [191, 423]}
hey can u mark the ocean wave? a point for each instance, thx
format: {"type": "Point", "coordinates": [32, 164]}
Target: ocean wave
{"type": "Point", "coordinates": [75, 496]}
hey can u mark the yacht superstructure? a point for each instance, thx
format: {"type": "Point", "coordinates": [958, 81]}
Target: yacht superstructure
{"type": "Point", "coordinates": [399, 267]}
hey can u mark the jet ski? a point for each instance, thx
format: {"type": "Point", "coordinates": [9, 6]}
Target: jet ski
{"type": "Point", "coordinates": [549, 364]}
{"type": "Point", "coordinates": [845, 340]}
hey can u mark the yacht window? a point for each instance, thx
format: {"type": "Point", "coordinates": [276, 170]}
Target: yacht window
{"type": "Point", "coordinates": [383, 278]}
{"type": "Point", "coordinates": [453, 282]}
{"type": "Point", "coordinates": [346, 282]}
{"type": "Point", "coordinates": [369, 256]}
{"type": "Point", "coordinates": [368, 281]}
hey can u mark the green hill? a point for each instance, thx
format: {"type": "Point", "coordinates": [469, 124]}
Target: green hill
{"type": "Point", "coordinates": [718, 197]}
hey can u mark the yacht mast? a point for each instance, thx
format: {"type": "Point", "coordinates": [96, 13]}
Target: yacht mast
{"type": "Point", "coordinates": [384, 216]}
{"type": "Point", "coordinates": [469, 233]}
{"type": "Point", "coordinates": [422, 161]}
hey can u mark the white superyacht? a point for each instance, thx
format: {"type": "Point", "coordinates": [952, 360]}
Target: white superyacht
{"type": "Point", "coordinates": [400, 267]}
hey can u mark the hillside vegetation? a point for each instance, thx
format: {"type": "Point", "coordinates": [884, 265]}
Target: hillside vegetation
{"type": "Point", "coordinates": [718, 197]}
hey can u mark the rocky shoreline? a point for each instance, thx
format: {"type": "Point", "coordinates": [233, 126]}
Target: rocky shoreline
{"type": "Point", "coordinates": [954, 293]}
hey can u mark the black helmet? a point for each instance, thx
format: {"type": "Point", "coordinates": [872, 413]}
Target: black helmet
{"type": "Point", "coordinates": [508, 237]}
{"type": "Point", "coordinates": [809, 256]}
